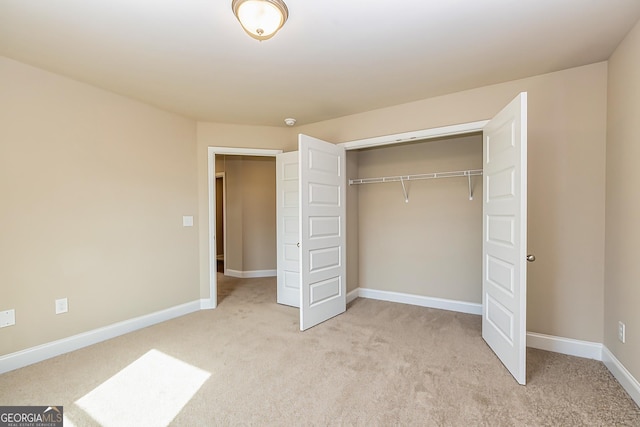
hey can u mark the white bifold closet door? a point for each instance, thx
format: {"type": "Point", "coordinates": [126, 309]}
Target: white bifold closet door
{"type": "Point", "coordinates": [504, 269]}
{"type": "Point", "coordinates": [311, 232]}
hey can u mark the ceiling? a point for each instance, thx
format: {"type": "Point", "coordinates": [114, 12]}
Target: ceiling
{"type": "Point", "coordinates": [332, 58]}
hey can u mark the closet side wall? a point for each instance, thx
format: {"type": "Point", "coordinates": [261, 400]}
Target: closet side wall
{"type": "Point", "coordinates": [432, 245]}
{"type": "Point", "coordinates": [353, 209]}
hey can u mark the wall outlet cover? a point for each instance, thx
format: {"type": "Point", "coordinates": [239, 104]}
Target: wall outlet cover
{"type": "Point", "coordinates": [622, 332]}
{"type": "Point", "coordinates": [7, 318]}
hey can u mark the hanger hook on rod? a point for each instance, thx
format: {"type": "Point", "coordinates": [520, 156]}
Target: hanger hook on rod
{"type": "Point", "coordinates": [470, 187]}
{"type": "Point", "coordinates": [404, 190]}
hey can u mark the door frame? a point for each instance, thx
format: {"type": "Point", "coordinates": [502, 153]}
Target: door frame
{"type": "Point", "coordinates": [418, 135]}
{"type": "Point", "coordinates": [377, 141]}
{"type": "Point", "coordinates": [212, 301]}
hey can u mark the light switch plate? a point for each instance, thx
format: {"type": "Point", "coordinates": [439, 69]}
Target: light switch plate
{"type": "Point", "coordinates": [62, 305]}
{"type": "Point", "coordinates": [7, 318]}
{"type": "Point", "coordinates": [187, 221]}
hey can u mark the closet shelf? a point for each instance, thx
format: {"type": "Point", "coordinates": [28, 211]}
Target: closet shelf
{"type": "Point", "coordinates": [401, 178]}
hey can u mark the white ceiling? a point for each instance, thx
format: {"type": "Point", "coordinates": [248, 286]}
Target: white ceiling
{"type": "Point", "coordinates": [332, 58]}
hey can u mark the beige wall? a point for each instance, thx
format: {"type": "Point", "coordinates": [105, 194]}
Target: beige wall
{"type": "Point", "coordinates": [431, 246]}
{"type": "Point", "coordinates": [94, 187]}
{"type": "Point", "coordinates": [251, 213]}
{"type": "Point", "coordinates": [220, 184]}
{"type": "Point", "coordinates": [567, 133]}
{"type": "Point", "coordinates": [622, 279]}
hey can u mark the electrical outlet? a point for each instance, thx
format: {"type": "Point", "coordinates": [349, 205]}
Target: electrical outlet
{"type": "Point", "coordinates": [62, 306]}
{"type": "Point", "coordinates": [621, 332]}
{"type": "Point", "coordinates": [7, 318]}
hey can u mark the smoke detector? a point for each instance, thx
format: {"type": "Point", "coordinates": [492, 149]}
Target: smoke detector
{"type": "Point", "coordinates": [290, 121]}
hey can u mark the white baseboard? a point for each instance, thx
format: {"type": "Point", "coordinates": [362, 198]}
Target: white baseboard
{"type": "Point", "coordinates": [624, 377]}
{"type": "Point", "coordinates": [206, 304]}
{"type": "Point", "coordinates": [443, 304]}
{"type": "Point", "coordinates": [352, 295]}
{"type": "Point", "coordinates": [571, 347]}
{"type": "Point", "coordinates": [22, 358]}
{"type": "Point", "coordinates": [250, 274]}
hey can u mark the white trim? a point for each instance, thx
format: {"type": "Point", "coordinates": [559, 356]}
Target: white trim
{"type": "Point", "coordinates": [211, 189]}
{"type": "Point", "coordinates": [211, 173]}
{"type": "Point", "coordinates": [624, 377]}
{"type": "Point", "coordinates": [250, 274]}
{"type": "Point", "coordinates": [569, 346]}
{"type": "Point", "coordinates": [205, 304]}
{"type": "Point", "coordinates": [418, 135]}
{"type": "Point", "coordinates": [422, 301]}
{"type": "Point", "coordinates": [22, 358]}
{"type": "Point", "coordinates": [232, 151]}
{"type": "Point", "coordinates": [352, 295]}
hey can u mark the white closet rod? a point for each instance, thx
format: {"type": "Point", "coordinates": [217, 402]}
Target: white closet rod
{"type": "Point", "coordinates": [402, 178]}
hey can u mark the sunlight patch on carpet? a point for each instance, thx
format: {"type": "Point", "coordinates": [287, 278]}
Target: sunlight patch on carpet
{"type": "Point", "coordinates": [149, 392]}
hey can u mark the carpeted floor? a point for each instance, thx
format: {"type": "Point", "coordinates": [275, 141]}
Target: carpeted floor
{"type": "Point", "coordinates": [378, 364]}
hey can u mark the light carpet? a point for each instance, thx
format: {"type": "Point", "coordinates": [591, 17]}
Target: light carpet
{"type": "Point", "coordinates": [379, 364]}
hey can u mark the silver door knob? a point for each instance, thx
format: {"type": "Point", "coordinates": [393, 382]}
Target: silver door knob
{"type": "Point", "coordinates": [531, 258]}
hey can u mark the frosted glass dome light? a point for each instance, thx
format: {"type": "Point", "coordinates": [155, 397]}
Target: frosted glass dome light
{"type": "Point", "coordinates": [261, 19]}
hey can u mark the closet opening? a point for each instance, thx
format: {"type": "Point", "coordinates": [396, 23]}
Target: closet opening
{"type": "Point", "coordinates": [419, 235]}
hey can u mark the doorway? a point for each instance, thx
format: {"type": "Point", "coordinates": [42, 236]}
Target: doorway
{"type": "Point", "coordinates": [214, 236]}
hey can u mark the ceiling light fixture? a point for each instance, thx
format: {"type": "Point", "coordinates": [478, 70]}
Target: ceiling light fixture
{"type": "Point", "coordinates": [261, 19]}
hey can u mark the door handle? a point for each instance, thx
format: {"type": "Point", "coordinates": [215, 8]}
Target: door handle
{"type": "Point", "coordinates": [298, 245]}
{"type": "Point", "coordinates": [531, 257]}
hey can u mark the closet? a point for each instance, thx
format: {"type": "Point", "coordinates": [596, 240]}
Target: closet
{"type": "Point", "coordinates": [420, 237]}
{"type": "Point", "coordinates": [433, 239]}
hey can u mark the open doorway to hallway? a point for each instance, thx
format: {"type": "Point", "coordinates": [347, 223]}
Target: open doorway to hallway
{"type": "Point", "coordinates": [245, 216]}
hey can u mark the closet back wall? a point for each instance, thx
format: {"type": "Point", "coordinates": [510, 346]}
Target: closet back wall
{"type": "Point", "coordinates": [432, 245]}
